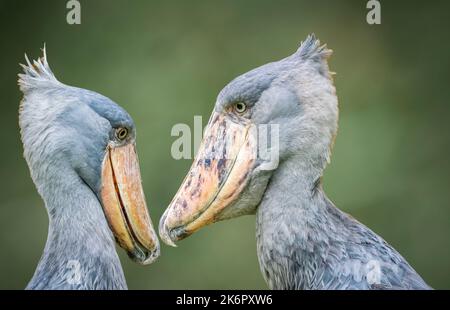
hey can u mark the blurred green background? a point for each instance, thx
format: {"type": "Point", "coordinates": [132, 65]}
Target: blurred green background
{"type": "Point", "coordinates": [166, 61]}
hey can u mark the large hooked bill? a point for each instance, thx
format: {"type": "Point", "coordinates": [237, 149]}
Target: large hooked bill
{"type": "Point", "coordinates": [217, 176]}
{"type": "Point", "coordinates": [124, 205]}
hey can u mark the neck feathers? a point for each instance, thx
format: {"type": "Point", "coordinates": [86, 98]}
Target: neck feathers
{"type": "Point", "coordinates": [80, 251]}
{"type": "Point", "coordinates": [305, 242]}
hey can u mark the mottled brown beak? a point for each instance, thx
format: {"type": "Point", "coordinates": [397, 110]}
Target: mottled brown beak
{"type": "Point", "coordinates": [217, 177]}
{"type": "Point", "coordinates": [124, 204]}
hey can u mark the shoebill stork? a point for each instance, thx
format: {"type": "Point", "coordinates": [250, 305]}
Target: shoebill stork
{"type": "Point", "coordinates": [80, 149]}
{"type": "Point", "coordinates": [303, 240]}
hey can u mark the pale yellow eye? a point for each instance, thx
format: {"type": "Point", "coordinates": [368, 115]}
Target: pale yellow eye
{"type": "Point", "coordinates": [240, 107]}
{"type": "Point", "coordinates": [121, 133]}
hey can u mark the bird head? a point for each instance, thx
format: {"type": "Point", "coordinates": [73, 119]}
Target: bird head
{"type": "Point", "coordinates": [283, 109]}
{"type": "Point", "coordinates": [79, 136]}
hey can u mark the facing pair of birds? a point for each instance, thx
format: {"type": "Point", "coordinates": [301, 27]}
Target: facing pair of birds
{"type": "Point", "coordinates": [80, 148]}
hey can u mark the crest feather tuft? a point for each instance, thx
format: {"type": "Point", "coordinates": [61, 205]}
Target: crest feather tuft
{"type": "Point", "coordinates": [37, 74]}
{"type": "Point", "coordinates": [311, 49]}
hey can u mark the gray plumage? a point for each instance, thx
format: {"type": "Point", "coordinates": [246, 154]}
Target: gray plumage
{"type": "Point", "coordinates": [303, 240]}
{"type": "Point", "coordinates": [65, 131]}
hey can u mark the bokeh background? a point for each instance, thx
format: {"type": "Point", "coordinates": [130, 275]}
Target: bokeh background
{"type": "Point", "coordinates": [165, 61]}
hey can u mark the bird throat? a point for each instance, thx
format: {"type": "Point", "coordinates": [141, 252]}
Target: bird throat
{"type": "Point", "coordinates": [80, 250]}
{"type": "Point", "coordinates": [289, 212]}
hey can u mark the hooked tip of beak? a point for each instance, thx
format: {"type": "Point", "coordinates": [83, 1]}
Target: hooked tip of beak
{"type": "Point", "coordinates": [164, 232]}
{"type": "Point", "coordinates": [144, 255]}
{"type": "Point", "coordinates": [152, 256]}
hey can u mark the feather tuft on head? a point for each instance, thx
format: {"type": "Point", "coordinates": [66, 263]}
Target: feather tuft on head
{"type": "Point", "coordinates": [311, 49]}
{"type": "Point", "coordinates": [37, 74]}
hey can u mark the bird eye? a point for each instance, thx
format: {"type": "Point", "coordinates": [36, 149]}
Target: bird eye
{"type": "Point", "coordinates": [240, 107]}
{"type": "Point", "coordinates": [121, 133]}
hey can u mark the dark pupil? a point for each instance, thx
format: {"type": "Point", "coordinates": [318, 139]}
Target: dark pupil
{"type": "Point", "coordinates": [240, 107]}
{"type": "Point", "coordinates": [122, 133]}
